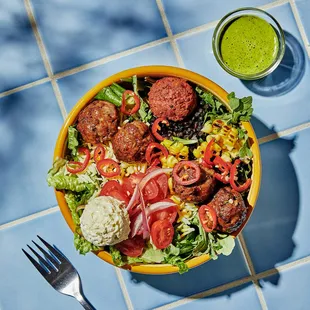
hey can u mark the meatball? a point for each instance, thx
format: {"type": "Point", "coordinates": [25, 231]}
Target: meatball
{"type": "Point", "coordinates": [230, 209]}
{"type": "Point", "coordinates": [98, 121]}
{"type": "Point", "coordinates": [131, 141]}
{"type": "Point", "coordinates": [199, 191]}
{"type": "Point", "coordinates": [172, 98]}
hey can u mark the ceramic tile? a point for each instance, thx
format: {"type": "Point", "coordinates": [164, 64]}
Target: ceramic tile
{"type": "Point", "coordinates": [83, 81]}
{"type": "Point", "coordinates": [164, 289]}
{"type": "Point", "coordinates": [76, 32]}
{"type": "Point", "coordinates": [186, 14]}
{"type": "Point", "coordinates": [23, 288]}
{"type": "Point", "coordinates": [243, 297]}
{"type": "Point", "coordinates": [20, 59]}
{"type": "Point", "coordinates": [288, 289]}
{"type": "Point", "coordinates": [280, 100]}
{"type": "Point", "coordinates": [303, 7]}
{"type": "Point", "coordinates": [29, 124]}
{"type": "Point", "coordinates": [278, 229]}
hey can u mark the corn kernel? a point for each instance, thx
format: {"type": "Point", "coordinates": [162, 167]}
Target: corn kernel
{"type": "Point", "coordinates": [207, 128]}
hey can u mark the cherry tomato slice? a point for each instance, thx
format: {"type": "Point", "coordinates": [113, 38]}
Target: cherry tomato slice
{"type": "Point", "coordinates": [124, 107]}
{"type": "Point", "coordinates": [156, 127]}
{"type": "Point", "coordinates": [150, 148]}
{"type": "Point", "coordinates": [162, 233]}
{"type": "Point", "coordinates": [78, 166]}
{"type": "Point", "coordinates": [169, 214]}
{"type": "Point", "coordinates": [99, 153]}
{"type": "Point", "coordinates": [208, 217]}
{"type": "Point", "coordinates": [112, 168]}
{"type": "Point", "coordinates": [131, 247]}
{"type": "Point", "coordinates": [186, 172]}
{"type": "Point", "coordinates": [115, 190]}
{"type": "Point", "coordinates": [150, 191]}
{"type": "Point", "coordinates": [130, 183]}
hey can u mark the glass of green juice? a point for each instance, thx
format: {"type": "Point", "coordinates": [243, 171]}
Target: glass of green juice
{"type": "Point", "coordinates": [248, 43]}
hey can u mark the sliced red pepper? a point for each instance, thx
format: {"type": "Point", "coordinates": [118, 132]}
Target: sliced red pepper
{"type": "Point", "coordinates": [224, 167]}
{"type": "Point", "coordinates": [233, 175]}
{"type": "Point", "coordinates": [124, 107]}
{"type": "Point", "coordinates": [182, 172]}
{"type": "Point", "coordinates": [209, 153]}
{"type": "Point", "coordinates": [155, 162]}
{"type": "Point", "coordinates": [208, 217]}
{"type": "Point", "coordinates": [99, 153]}
{"type": "Point", "coordinates": [78, 166]}
{"type": "Point", "coordinates": [156, 127]}
{"type": "Point", "coordinates": [153, 145]}
{"type": "Point", "coordinates": [112, 168]}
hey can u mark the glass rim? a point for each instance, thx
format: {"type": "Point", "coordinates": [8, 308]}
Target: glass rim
{"type": "Point", "coordinates": [255, 76]}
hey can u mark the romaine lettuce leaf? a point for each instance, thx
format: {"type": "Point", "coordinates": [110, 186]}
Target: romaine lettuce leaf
{"type": "Point", "coordinates": [83, 246]}
{"type": "Point", "coordinates": [116, 256]}
{"type": "Point", "coordinates": [73, 140]}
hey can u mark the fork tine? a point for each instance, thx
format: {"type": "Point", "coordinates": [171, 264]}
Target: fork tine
{"type": "Point", "coordinates": [40, 258]}
{"type": "Point", "coordinates": [47, 255]}
{"type": "Point", "coordinates": [36, 264]}
{"type": "Point", "coordinates": [60, 257]}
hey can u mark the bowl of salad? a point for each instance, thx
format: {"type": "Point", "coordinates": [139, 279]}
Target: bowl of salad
{"type": "Point", "coordinates": [157, 169]}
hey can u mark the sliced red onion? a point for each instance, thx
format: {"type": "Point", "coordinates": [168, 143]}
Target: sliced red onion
{"type": "Point", "coordinates": [133, 198]}
{"type": "Point", "coordinates": [146, 228]}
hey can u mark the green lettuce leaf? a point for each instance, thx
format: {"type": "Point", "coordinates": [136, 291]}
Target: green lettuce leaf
{"type": "Point", "coordinates": [73, 140]}
{"type": "Point", "coordinates": [83, 246]}
{"type": "Point", "coordinates": [116, 256]}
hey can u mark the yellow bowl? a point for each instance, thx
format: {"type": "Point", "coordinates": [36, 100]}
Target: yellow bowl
{"type": "Point", "coordinates": [156, 71]}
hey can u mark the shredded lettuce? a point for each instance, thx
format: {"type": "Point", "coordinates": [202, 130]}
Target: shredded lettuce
{"type": "Point", "coordinates": [73, 140]}
{"type": "Point", "coordinates": [116, 256]}
{"type": "Point", "coordinates": [83, 246]}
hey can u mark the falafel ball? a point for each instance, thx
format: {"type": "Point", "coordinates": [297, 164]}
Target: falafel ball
{"type": "Point", "coordinates": [172, 98]}
{"type": "Point", "coordinates": [98, 121]}
{"type": "Point", "coordinates": [200, 190]}
{"type": "Point", "coordinates": [130, 142]}
{"type": "Point", "coordinates": [230, 209]}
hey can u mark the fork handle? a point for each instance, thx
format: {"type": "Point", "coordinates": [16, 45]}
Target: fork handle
{"type": "Point", "coordinates": [84, 302]}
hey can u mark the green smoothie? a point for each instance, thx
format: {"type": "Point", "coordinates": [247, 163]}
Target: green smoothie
{"type": "Point", "coordinates": [249, 45]}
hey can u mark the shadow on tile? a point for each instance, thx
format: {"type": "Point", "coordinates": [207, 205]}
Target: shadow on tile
{"type": "Point", "coordinates": [268, 233]}
{"type": "Point", "coordinates": [286, 76]}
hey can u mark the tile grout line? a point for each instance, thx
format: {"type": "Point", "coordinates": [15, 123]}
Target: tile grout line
{"type": "Point", "coordinates": [29, 218]}
{"type": "Point", "coordinates": [206, 293]}
{"type": "Point", "coordinates": [45, 58]}
{"type": "Point", "coordinates": [300, 26]}
{"type": "Point", "coordinates": [123, 288]}
{"type": "Point", "coordinates": [251, 269]}
{"type": "Point", "coordinates": [283, 133]}
{"type": "Point", "coordinates": [119, 55]}
{"type": "Point", "coordinates": [169, 33]}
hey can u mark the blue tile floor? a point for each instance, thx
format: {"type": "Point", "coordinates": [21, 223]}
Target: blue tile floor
{"type": "Point", "coordinates": [88, 37]}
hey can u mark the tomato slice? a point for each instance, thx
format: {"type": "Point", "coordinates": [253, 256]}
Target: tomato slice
{"type": "Point", "coordinates": [208, 217]}
{"type": "Point", "coordinates": [151, 190]}
{"type": "Point", "coordinates": [162, 233]}
{"type": "Point", "coordinates": [186, 172]}
{"type": "Point", "coordinates": [130, 183]}
{"type": "Point", "coordinates": [131, 247]}
{"type": "Point", "coordinates": [115, 190]}
{"type": "Point", "coordinates": [169, 214]}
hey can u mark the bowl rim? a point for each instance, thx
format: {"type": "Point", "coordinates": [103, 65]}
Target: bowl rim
{"type": "Point", "coordinates": [255, 76]}
{"type": "Point", "coordinates": [155, 71]}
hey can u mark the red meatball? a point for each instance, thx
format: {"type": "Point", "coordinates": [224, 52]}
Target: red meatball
{"type": "Point", "coordinates": [199, 191]}
{"type": "Point", "coordinates": [172, 98]}
{"type": "Point", "coordinates": [98, 121]}
{"type": "Point", "coordinates": [230, 209]}
{"type": "Point", "coordinates": [131, 141]}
